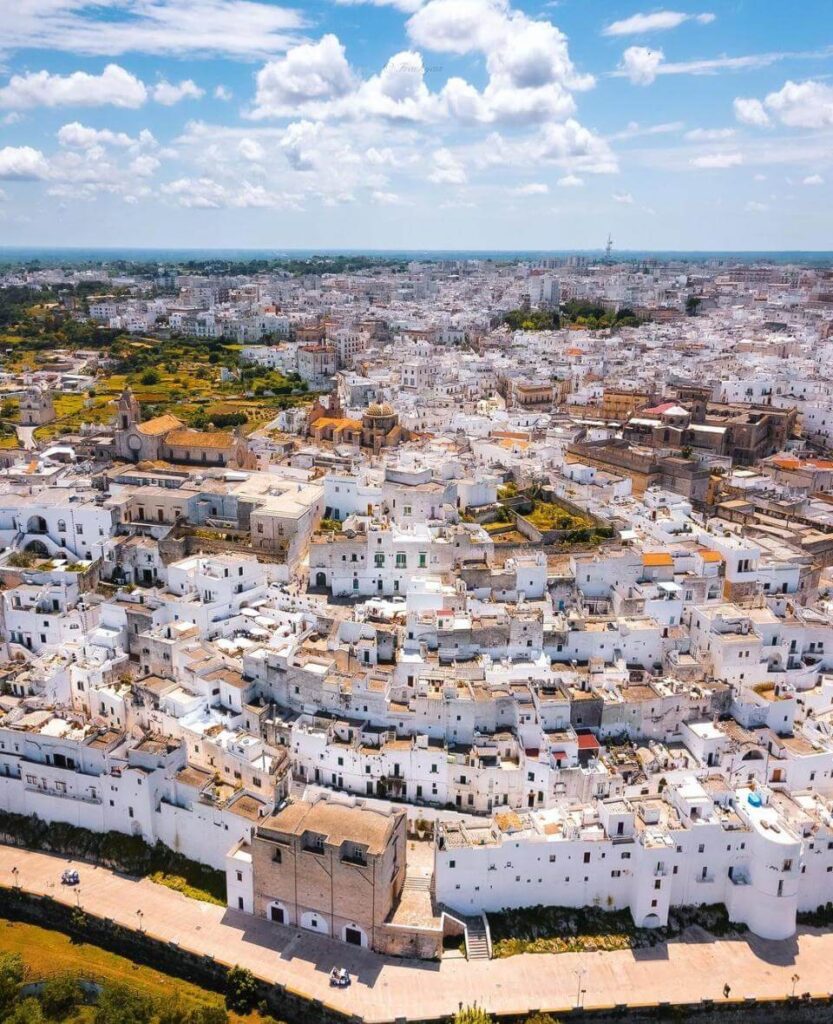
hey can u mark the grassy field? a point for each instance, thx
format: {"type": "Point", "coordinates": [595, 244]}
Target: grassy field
{"type": "Point", "coordinates": [48, 953]}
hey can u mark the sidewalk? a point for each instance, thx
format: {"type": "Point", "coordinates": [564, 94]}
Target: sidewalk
{"type": "Point", "coordinates": [386, 988]}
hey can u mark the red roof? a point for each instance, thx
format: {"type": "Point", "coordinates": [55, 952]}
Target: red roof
{"type": "Point", "coordinates": [587, 741]}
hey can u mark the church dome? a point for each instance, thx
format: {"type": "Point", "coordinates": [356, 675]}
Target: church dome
{"type": "Point", "coordinates": [380, 409]}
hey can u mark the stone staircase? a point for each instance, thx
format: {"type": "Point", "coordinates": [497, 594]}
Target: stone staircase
{"type": "Point", "coordinates": [417, 883]}
{"type": "Point", "coordinates": [477, 938]}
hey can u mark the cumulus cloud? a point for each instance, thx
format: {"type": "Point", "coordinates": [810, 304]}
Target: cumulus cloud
{"type": "Point", "coordinates": [625, 198]}
{"type": "Point", "coordinates": [251, 149]}
{"type": "Point", "coordinates": [22, 163]}
{"type": "Point", "coordinates": [169, 93]}
{"type": "Point", "coordinates": [802, 104]}
{"type": "Point", "coordinates": [221, 92]}
{"type": "Point", "coordinates": [717, 161]}
{"type": "Point", "coordinates": [657, 21]}
{"type": "Point", "coordinates": [750, 111]}
{"type": "Point", "coordinates": [114, 86]}
{"type": "Point", "coordinates": [78, 136]}
{"type": "Point", "coordinates": [796, 104]}
{"type": "Point", "coordinates": [447, 169]}
{"type": "Point", "coordinates": [208, 194]}
{"type": "Point", "coordinates": [570, 181]}
{"type": "Point", "coordinates": [144, 166]}
{"type": "Point", "coordinates": [309, 73]}
{"type": "Point", "coordinates": [813, 179]}
{"type": "Point", "coordinates": [640, 64]}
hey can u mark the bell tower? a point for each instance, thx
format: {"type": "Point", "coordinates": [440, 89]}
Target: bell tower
{"type": "Point", "coordinates": [128, 409]}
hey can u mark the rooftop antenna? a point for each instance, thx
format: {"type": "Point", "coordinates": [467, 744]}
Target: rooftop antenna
{"type": "Point", "coordinates": [608, 248]}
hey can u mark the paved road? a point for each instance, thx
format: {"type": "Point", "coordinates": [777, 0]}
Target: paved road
{"type": "Point", "coordinates": [386, 988]}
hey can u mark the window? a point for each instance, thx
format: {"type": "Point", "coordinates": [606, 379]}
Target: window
{"type": "Point", "coordinates": [452, 863]}
{"type": "Point", "coordinates": [277, 855]}
{"type": "Point", "coordinates": [62, 526]}
{"type": "Point", "coordinates": [587, 857]}
{"type": "Point", "coordinates": [401, 560]}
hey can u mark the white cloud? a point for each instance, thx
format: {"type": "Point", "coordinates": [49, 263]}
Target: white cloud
{"type": "Point", "coordinates": [755, 207]}
{"type": "Point", "coordinates": [813, 179]}
{"type": "Point", "coordinates": [534, 188]}
{"type": "Point", "coordinates": [658, 21]}
{"type": "Point", "coordinates": [750, 111]}
{"type": "Point", "coordinates": [114, 86]}
{"type": "Point", "coordinates": [802, 104]}
{"type": "Point", "coordinates": [570, 181]}
{"type": "Point", "coordinates": [22, 163]}
{"type": "Point", "coordinates": [531, 76]}
{"type": "Point", "coordinates": [447, 169]}
{"type": "Point", "coordinates": [388, 199]}
{"type": "Point", "coordinates": [208, 194]}
{"type": "Point", "coordinates": [640, 64]}
{"type": "Point", "coordinates": [78, 136]}
{"type": "Point", "coordinates": [709, 134]}
{"type": "Point", "coordinates": [406, 6]}
{"type": "Point", "coordinates": [144, 166]}
{"type": "Point", "coordinates": [625, 198]}
{"type": "Point", "coordinates": [309, 73]}
{"type": "Point", "coordinates": [251, 149]}
{"type": "Point", "coordinates": [169, 93]}
{"type": "Point", "coordinates": [221, 92]}
{"type": "Point", "coordinates": [717, 161]}
{"type": "Point", "coordinates": [235, 28]}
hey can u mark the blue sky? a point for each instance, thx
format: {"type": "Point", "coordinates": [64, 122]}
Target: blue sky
{"type": "Point", "coordinates": [416, 124]}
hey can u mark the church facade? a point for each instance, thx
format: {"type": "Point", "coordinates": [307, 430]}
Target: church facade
{"type": "Point", "coordinates": [167, 439]}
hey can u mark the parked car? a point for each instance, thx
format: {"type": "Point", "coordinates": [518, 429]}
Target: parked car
{"type": "Point", "coordinates": [339, 977]}
{"type": "Point", "coordinates": [70, 877]}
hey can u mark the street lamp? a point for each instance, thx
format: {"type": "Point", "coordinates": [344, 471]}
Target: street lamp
{"type": "Point", "coordinates": [140, 914]}
{"type": "Point", "coordinates": [78, 898]}
{"type": "Point", "coordinates": [16, 876]}
{"type": "Point", "coordinates": [580, 991]}
{"type": "Point", "coordinates": [795, 980]}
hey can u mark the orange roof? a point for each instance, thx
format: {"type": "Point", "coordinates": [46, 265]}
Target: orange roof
{"type": "Point", "coordinates": [159, 425]}
{"type": "Point", "coordinates": [655, 558]}
{"type": "Point", "coordinates": [574, 352]}
{"type": "Point", "coordinates": [710, 556]}
{"type": "Point", "coordinates": [200, 438]}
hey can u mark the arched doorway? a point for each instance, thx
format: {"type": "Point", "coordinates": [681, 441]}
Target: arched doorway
{"type": "Point", "coordinates": [37, 547]}
{"type": "Point", "coordinates": [321, 579]}
{"type": "Point", "coordinates": [278, 913]}
{"type": "Point", "coordinates": [651, 921]}
{"type": "Point", "coordinates": [36, 524]}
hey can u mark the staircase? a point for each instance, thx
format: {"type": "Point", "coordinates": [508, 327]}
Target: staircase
{"type": "Point", "coordinates": [417, 883]}
{"type": "Point", "coordinates": [477, 938]}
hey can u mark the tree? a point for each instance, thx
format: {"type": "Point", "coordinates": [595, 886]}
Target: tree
{"type": "Point", "coordinates": [241, 989]}
{"type": "Point", "coordinates": [472, 1015]}
{"type": "Point", "coordinates": [692, 304]}
{"type": "Point", "coordinates": [11, 975]}
{"type": "Point", "coordinates": [150, 377]}
{"type": "Point", "coordinates": [27, 1011]}
{"type": "Point", "coordinates": [118, 1004]}
{"type": "Point", "coordinates": [59, 995]}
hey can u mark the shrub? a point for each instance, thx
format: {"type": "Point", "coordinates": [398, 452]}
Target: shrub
{"type": "Point", "coordinates": [241, 990]}
{"type": "Point", "coordinates": [150, 377]}
{"type": "Point", "coordinates": [118, 1004]}
{"type": "Point", "coordinates": [59, 995]}
{"type": "Point", "coordinates": [28, 1011]}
